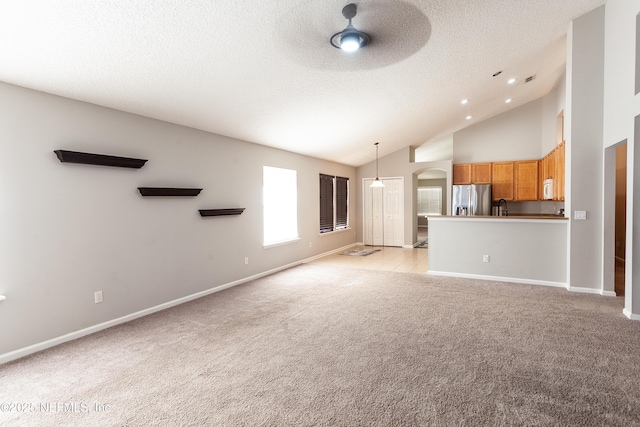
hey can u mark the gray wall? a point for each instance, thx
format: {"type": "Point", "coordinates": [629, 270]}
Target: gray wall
{"type": "Point", "coordinates": [584, 158]}
{"type": "Point", "coordinates": [70, 230]}
{"type": "Point", "coordinates": [524, 133]}
{"type": "Point", "coordinates": [621, 112]}
{"type": "Point", "coordinates": [531, 251]}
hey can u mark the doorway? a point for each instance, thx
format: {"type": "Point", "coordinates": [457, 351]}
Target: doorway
{"type": "Point", "coordinates": [620, 218]}
{"type": "Point", "coordinates": [384, 212]}
{"type": "Point", "coordinates": [431, 200]}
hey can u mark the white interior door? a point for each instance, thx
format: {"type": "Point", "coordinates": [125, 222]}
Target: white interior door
{"type": "Point", "coordinates": [377, 213]}
{"type": "Point", "coordinates": [367, 204]}
{"type": "Point", "coordinates": [393, 212]}
{"type": "Point", "coordinates": [373, 214]}
{"type": "Point", "coordinates": [383, 213]}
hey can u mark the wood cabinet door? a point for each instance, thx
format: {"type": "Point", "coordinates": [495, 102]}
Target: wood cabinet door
{"type": "Point", "coordinates": [481, 173]}
{"type": "Point", "coordinates": [502, 180]}
{"type": "Point", "coordinates": [541, 174]}
{"type": "Point", "coordinates": [462, 173]}
{"type": "Point", "coordinates": [558, 183]}
{"type": "Point", "coordinates": [526, 180]}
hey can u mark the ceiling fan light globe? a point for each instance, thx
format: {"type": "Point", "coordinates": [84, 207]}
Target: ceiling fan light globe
{"type": "Point", "coordinates": [350, 42]}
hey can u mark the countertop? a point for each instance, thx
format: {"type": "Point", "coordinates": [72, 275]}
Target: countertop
{"type": "Point", "coordinates": [503, 218]}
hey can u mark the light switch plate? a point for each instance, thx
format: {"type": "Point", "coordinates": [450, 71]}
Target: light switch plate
{"type": "Point", "coordinates": [580, 215]}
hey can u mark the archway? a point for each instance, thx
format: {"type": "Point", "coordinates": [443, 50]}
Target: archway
{"type": "Point", "coordinates": [431, 197]}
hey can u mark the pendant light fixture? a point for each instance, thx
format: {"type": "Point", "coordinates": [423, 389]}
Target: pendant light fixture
{"type": "Point", "coordinates": [376, 183]}
{"type": "Point", "coordinates": [350, 39]}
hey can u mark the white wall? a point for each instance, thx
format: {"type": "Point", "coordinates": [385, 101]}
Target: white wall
{"type": "Point", "coordinates": [69, 230]}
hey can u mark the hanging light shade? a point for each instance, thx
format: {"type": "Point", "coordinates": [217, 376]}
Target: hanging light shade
{"type": "Point", "coordinates": [350, 39]}
{"type": "Point", "coordinates": [376, 182]}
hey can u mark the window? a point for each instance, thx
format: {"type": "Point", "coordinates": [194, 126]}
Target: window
{"type": "Point", "coordinates": [429, 201]}
{"type": "Point", "coordinates": [280, 203]}
{"type": "Point", "coordinates": [334, 203]}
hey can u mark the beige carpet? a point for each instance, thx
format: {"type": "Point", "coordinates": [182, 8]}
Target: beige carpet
{"type": "Point", "coordinates": [317, 345]}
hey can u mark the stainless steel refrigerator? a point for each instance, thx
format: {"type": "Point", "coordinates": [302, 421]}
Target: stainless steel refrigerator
{"type": "Point", "coordinates": [474, 199]}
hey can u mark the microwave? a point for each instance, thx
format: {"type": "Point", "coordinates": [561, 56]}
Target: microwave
{"type": "Point", "coordinates": [547, 189]}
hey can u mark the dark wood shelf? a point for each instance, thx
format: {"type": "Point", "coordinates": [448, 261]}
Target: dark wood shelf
{"type": "Point", "coordinates": [164, 191]}
{"type": "Point", "coordinates": [221, 212]}
{"type": "Point", "coordinates": [66, 156]}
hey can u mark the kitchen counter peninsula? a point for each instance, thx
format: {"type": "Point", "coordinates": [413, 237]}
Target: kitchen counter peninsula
{"type": "Point", "coordinates": [519, 248]}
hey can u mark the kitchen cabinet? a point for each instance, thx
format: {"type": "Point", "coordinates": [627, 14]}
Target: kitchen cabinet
{"type": "Point", "coordinates": [472, 173]}
{"type": "Point", "coordinates": [558, 183]}
{"type": "Point", "coordinates": [525, 178]}
{"type": "Point", "coordinates": [462, 173]}
{"type": "Point", "coordinates": [502, 181]}
{"type": "Point", "coordinates": [552, 166]}
{"type": "Point", "coordinates": [481, 173]}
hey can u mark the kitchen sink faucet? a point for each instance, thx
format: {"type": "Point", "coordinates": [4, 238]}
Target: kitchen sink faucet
{"type": "Point", "coordinates": [506, 211]}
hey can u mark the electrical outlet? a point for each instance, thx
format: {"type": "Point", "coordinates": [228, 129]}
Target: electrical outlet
{"type": "Point", "coordinates": [246, 260]}
{"type": "Point", "coordinates": [97, 297]}
{"type": "Point", "coordinates": [486, 258]}
{"type": "Point", "coordinates": [310, 244]}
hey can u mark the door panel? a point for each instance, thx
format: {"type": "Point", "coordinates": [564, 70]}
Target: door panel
{"type": "Point", "coordinates": [383, 213]}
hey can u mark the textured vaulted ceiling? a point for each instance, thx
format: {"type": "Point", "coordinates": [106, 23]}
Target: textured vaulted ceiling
{"type": "Point", "coordinates": [263, 70]}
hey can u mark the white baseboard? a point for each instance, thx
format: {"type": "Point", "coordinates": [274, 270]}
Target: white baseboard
{"type": "Point", "coordinates": [591, 291]}
{"type": "Point", "coordinates": [498, 278]}
{"type": "Point", "coordinates": [608, 293]}
{"type": "Point", "coordinates": [25, 351]}
{"type": "Point", "coordinates": [526, 281]}
{"type": "Point", "coordinates": [630, 315]}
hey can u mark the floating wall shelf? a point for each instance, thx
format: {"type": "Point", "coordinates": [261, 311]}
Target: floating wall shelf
{"type": "Point", "coordinates": [98, 159]}
{"type": "Point", "coordinates": [163, 191]}
{"type": "Point", "coordinates": [221, 212]}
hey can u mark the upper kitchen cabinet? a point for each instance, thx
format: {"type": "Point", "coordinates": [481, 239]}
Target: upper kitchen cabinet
{"type": "Point", "coordinates": [481, 173]}
{"type": "Point", "coordinates": [525, 175]}
{"type": "Point", "coordinates": [502, 181]}
{"type": "Point", "coordinates": [472, 173]}
{"type": "Point", "coordinates": [462, 174]}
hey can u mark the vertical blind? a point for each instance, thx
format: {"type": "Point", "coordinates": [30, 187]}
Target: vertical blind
{"type": "Point", "coordinates": [342, 203]}
{"type": "Point", "coordinates": [334, 203]}
{"type": "Point", "coordinates": [326, 203]}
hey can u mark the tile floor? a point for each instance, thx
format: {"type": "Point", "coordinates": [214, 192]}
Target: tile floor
{"type": "Point", "coordinates": [388, 258]}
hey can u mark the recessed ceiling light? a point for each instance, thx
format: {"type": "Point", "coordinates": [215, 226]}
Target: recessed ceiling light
{"type": "Point", "coordinates": [464, 101]}
{"type": "Point", "coordinates": [468, 117]}
{"type": "Point", "coordinates": [511, 81]}
{"type": "Point", "coordinates": [508, 101]}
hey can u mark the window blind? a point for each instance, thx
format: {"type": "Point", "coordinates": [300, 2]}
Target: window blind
{"type": "Point", "coordinates": [342, 203]}
{"type": "Point", "coordinates": [429, 201]}
{"type": "Point", "coordinates": [326, 203]}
